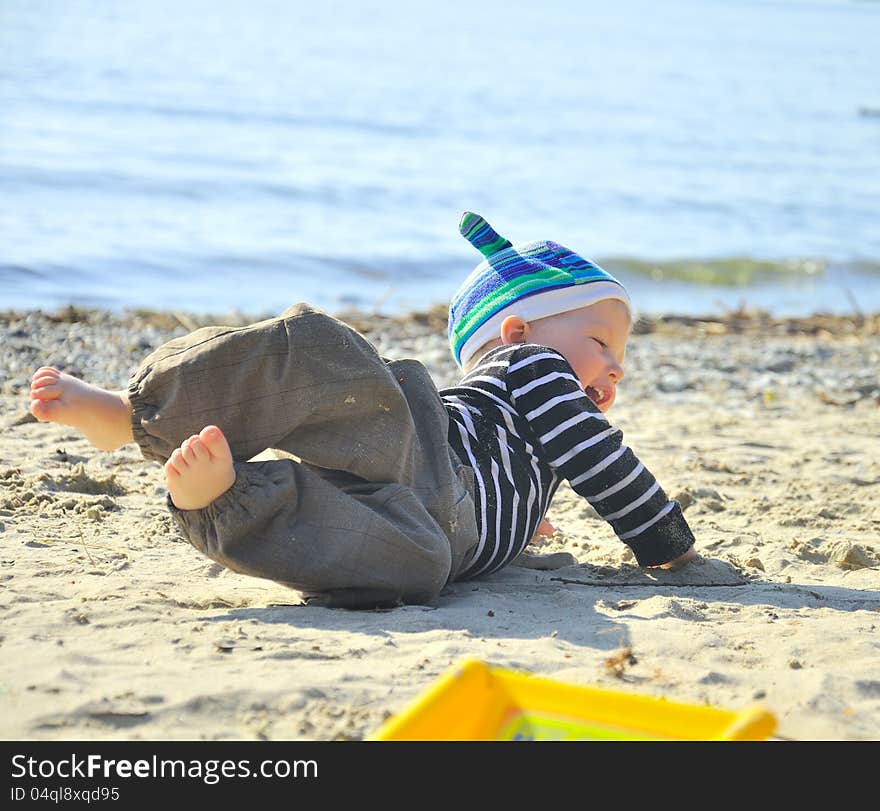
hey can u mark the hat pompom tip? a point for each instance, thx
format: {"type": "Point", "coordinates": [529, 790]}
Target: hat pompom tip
{"type": "Point", "coordinates": [481, 235]}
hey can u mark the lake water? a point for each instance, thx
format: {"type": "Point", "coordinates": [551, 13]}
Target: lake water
{"type": "Point", "coordinates": [245, 155]}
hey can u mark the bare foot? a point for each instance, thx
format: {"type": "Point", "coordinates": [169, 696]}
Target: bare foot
{"type": "Point", "coordinates": [200, 470]}
{"type": "Point", "coordinates": [103, 416]}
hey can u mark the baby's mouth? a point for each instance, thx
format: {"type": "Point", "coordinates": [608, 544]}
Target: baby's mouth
{"type": "Point", "coordinates": [597, 395]}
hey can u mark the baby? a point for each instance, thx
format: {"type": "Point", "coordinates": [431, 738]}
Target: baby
{"type": "Point", "coordinates": [389, 489]}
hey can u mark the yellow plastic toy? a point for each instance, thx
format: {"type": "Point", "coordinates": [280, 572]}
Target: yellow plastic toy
{"type": "Point", "coordinates": [475, 702]}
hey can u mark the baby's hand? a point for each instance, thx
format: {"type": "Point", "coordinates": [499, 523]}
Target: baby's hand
{"type": "Point", "coordinates": [681, 560]}
{"type": "Point", "coordinates": [545, 530]}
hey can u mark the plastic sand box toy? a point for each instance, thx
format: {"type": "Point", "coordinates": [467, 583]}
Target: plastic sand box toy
{"type": "Point", "coordinates": [474, 701]}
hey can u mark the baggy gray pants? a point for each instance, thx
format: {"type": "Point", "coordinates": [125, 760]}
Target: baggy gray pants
{"type": "Point", "coordinates": [380, 509]}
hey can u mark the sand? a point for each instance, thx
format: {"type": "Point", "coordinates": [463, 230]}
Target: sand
{"type": "Point", "coordinates": [112, 627]}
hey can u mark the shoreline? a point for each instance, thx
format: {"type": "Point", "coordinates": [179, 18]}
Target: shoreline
{"type": "Point", "coordinates": [433, 313]}
{"type": "Point", "coordinates": [764, 429]}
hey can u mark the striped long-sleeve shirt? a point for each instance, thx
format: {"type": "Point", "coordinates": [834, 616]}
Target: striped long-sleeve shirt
{"type": "Point", "coordinates": [522, 421]}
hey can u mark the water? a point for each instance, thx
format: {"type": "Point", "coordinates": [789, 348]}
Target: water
{"type": "Point", "coordinates": [230, 154]}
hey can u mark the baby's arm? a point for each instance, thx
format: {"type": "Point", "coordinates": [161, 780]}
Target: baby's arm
{"type": "Point", "coordinates": [580, 445]}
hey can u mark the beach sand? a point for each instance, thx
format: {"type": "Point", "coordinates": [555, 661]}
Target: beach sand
{"type": "Point", "coordinates": [767, 431]}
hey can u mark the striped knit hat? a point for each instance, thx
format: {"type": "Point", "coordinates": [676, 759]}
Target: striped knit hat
{"type": "Point", "coordinates": [532, 280]}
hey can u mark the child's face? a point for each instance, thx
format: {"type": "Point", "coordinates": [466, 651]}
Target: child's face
{"type": "Point", "coordinates": [593, 340]}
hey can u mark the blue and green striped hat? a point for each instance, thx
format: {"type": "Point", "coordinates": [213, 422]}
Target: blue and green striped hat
{"type": "Point", "coordinates": [532, 280]}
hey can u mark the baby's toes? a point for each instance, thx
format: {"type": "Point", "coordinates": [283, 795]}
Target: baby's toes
{"type": "Point", "coordinates": [215, 442]}
{"type": "Point", "coordinates": [43, 409]}
{"type": "Point", "coordinates": [46, 371]}
{"type": "Point", "coordinates": [50, 391]}
{"type": "Point", "coordinates": [188, 454]}
{"type": "Point", "coordinates": [185, 448]}
{"type": "Point", "coordinates": [177, 462]}
{"type": "Point", "coordinates": [198, 450]}
{"type": "Point", "coordinates": [44, 376]}
{"type": "Point", "coordinates": [41, 382]}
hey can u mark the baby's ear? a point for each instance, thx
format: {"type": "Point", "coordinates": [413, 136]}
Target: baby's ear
{"type": "Point", "coordinates": [514, 330]}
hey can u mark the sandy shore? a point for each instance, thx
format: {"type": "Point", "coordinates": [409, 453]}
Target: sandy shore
{"type": "Point", "coordinates": [767, 431]}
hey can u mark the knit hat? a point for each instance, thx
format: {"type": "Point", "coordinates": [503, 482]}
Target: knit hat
{"type": "Point", "coordinates": [532, 280]}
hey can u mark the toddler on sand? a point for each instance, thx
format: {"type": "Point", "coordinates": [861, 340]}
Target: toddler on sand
{"type": "Point", "coordinates": [399, 489]}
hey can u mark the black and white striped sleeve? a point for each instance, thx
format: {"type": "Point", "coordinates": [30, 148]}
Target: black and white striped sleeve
{"type": "Point", "coordinates": [581, 446]}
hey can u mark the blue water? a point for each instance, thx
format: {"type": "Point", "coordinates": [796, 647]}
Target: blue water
{"type": "Point", "coordinates": [249, 153]}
